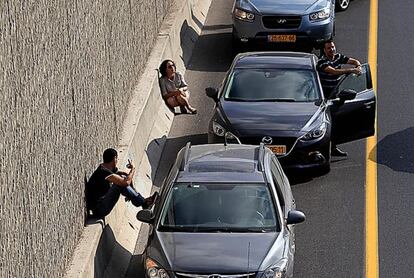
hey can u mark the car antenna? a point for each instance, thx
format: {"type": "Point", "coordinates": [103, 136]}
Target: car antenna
{"type": "Point", "coordinates": [186, 157]}
{"type": "Point", "coordinates": [261, 157]}
{"type": "Point", "coordinates": [248, 258]}
{"type": "Point", "coordinates": [225, 139]}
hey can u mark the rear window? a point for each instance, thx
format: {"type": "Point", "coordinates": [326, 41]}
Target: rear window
{"type": "Point", "coordinates": [290, 85]}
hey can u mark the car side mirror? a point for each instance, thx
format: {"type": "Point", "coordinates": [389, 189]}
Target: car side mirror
{"type": "Point", "coordinates": [212, 93]}
{"type": "Point", "coordinates": [346, 94]}
{"type": "Point", "coordinates": [145, 216]}
{"type": "Point", "coordinates": [295, 217]}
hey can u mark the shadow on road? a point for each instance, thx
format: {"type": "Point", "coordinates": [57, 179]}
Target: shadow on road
{"type": "Point", "coordinates": [396, 151]}
{"type": "Point", "coordinates": [214, 52]}
{"type": "Point", "coordinates": [171, 148]}
{"type": "Point", "coordinates": [167, 156]}
{"type": "Point", "coordinates": [304, 176]}
{"type": "Point", "coordinates": [154, 152]}
{"type": "Point", "coordinates": [136, 266]}
{"type": "Point", "coordinates": [108, 247]}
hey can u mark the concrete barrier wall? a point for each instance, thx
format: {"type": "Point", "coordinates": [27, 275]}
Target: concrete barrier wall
{"type": "Point", "coordinates": [70, 87]}
{"type": "Point", "coordinates": [105, 249]}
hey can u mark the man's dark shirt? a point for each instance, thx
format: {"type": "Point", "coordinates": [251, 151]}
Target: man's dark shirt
{"type": "Point", "coordinates": [97, 185]}
{"type": "Point", "coordinates": [329, 81]}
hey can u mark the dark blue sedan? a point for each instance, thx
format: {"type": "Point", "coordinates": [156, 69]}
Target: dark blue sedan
{"type": "Point", "coordinates": [276, 98]}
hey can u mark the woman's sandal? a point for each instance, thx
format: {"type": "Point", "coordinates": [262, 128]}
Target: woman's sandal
{"type": "Point", "coordinates": [194, 111]}
{"type": "Point", "coordinates": [183, 110]}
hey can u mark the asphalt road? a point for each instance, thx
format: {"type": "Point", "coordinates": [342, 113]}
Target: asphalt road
{"type": "Point", "coordinates": [395, 139]}
{"type": "Point", "coordinates": [331, 242]}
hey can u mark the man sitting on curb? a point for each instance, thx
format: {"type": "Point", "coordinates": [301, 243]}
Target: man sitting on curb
{"type": "Point", "coordinates": [107, 183]}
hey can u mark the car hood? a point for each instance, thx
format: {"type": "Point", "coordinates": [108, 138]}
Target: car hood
{"type": "Point", "coordinates": [285, 7]}
{"type": "Point", "coordinates": [256, 117]}
{"type": "Point", "coordinates": [217, 252]}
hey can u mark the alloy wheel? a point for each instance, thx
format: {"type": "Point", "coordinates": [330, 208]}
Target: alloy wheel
{"type": "Point", "coordinates": [342, 5]}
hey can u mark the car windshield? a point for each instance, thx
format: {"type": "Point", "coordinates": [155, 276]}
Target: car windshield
{"type": "Point", "coordinates": [289, 85]}
{"type": "Point", "coordinates": [205, 207]}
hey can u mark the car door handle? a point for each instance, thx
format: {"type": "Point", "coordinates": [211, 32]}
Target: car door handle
{"type": "Point", "coordinates": [369, 104]}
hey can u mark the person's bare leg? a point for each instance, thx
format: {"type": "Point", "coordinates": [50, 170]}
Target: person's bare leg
{"type": "Point", "coordinates": [172, 102]}
{"type": "Point", "coordinates": [184, 101]}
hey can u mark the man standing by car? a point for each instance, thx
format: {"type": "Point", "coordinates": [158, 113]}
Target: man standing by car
{"type": "Point", "coordinates": [330, 72]}
{"type": "Point", "coordinates": [107, 183]}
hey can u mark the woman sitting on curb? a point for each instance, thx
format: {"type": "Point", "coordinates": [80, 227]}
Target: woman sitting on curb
{"type": "Point", "coordinates": [173, 87]}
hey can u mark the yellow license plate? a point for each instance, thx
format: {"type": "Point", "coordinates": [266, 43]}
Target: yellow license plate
{"type": "Point", "coordinates": [281, 38]}
{"type": "Point", "coordinates": [277, 149]}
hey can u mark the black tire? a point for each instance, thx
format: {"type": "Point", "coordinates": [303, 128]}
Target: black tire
{"type": "Point", "coordinates": [235, 42]}
{"type": "Point", "coordinates": [324, 169]}
{"type": "Point", "coordinates": [309, 49]}
{"type": "Point", "coordinates": [342, 5]}
{"type": "Point", "coordinates": [237, 45]}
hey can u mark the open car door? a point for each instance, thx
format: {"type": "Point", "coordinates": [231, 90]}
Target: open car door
{"type": "Point", "coordinates": [354, 119]}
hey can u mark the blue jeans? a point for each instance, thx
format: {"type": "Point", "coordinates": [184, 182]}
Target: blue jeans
{"type": "Point", "coordinates": [106, 203]}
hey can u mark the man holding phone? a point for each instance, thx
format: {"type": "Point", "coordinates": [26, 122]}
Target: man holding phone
{"type": "Point", "coordinates": [107, 184]}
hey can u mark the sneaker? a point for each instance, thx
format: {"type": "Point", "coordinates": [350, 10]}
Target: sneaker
{"type": "Point", "coordinates": [150, 201]}
{"type": "Point", "coordinates": [337, 152]}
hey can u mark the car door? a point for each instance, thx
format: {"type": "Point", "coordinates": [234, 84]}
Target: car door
{"type": "Point", "coordinates": [354, 119]}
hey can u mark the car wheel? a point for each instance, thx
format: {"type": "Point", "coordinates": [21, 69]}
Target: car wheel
{"type": "Point", "coordinates": [324, 169]}
{"type": "Point", "coordinates": [342, 5]}
{"type": "Point", "coordinates": [308, 48]}
{"type": "Point", "coordinates": [237, 45]}
{"type": "Point", "coordinates": [235, 42]}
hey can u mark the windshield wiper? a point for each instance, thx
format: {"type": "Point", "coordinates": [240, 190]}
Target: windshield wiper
{"type": "Point", "coordinates": [177, 229]}
{"type": "Point", "coordinates": [238, 99]}
{"type": "Point", "coordinates": [277, 99]}
{"type": "Point", "coordinates": [212, 229]}
{"type": "Point", "coordinates": [198, 229]}
{"type": "Point", "coordinates": [231, 229]}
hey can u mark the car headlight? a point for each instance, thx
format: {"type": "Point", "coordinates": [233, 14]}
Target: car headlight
{"type": "Point", "coordinates": [276, 271]}
{"type": "Point", "coordinates": [315, 133]}
{"type": "Point", "coordinates": [273, 273]}
{"type": "Point", "coordinates": [320, 15]}
{"type": "Point", "coordinates": [243, 15]}
{"type": "Point", "coordinates": [218, 129]}
{"type": "Point", "coordinates": [154, 270]}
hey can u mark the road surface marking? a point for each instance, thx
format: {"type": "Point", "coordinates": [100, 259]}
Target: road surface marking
{"type": "Point", "coordinates": [371, 207]}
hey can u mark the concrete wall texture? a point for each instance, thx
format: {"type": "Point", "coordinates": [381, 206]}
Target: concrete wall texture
{"type": "Point", "coordinates": [67, 70]}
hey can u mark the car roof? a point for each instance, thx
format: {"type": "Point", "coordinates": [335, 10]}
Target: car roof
{"type": "Point", "coordinates": [266, 60]}
{"type": "Point", "coordinates": [221, 164]}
